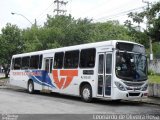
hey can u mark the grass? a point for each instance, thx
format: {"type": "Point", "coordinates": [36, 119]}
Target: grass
{"type": "Point", "coordinates": [154, 79]}
{"type": "Point", "coordinates": [2, 78]}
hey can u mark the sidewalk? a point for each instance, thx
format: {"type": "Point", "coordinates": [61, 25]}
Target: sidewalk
{"type": "Point", "coordinates": [148, 100]}
{"type": "Point", "coordinates": [152, 100]}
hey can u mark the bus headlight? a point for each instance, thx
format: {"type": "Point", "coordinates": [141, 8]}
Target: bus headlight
{"type": "Point", "coordinates": [145, 87]}
{"type": "Point", "coordinates": [120, 86]}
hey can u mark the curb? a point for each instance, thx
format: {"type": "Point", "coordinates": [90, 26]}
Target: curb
{"type": "Point", "coordinates": [147, 101]}
{"type": "Point", "coordinates": [153, 102]}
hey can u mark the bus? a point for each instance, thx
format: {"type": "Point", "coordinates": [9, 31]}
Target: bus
{"type": "Point", "coordinates": [114, 70]}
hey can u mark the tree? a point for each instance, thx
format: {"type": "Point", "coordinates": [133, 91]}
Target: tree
{"type": "Point", "coordinates": [137, 35]}
{"type": "Point", "coordinates": [69, 31]}
{"type": "Point", "coordinates": [79, 32]}
{"type": "Point", "coordinates": [153, 18]}
{"type": "Point", "coordinates": [10, 43]}
{"type": "Point", "coordinates": [58, 31]}
{"type": "Point", "coordinates": [110, 30]}
{"type": "Point", "coordinates": [31, 38]}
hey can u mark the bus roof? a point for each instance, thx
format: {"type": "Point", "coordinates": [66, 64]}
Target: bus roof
{"type": "Point", "coordinates": [81, 46]}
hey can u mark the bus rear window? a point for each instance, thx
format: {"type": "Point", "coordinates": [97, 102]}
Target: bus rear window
{"type": "Point", "coordinates": [87, 58]}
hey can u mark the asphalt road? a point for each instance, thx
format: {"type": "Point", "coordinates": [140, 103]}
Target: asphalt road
{"type": "Point", "coordinates": [49, 106]}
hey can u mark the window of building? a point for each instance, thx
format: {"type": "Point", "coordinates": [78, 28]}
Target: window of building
{"type": "Point", "coordinates": [58, 60]}
{"type": "Point", "coordinates": [71, 59]}
{"type": "Point", "coordinates": [87, 58]}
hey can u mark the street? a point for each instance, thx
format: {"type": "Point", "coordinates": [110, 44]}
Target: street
{"type": "Point", "coordinates": [18, 101]}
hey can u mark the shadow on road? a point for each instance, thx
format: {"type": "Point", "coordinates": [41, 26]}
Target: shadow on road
{"type": "Point", "coordinates": [78, 99]}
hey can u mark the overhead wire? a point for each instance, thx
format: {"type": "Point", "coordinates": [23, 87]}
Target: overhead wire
{"type": "Point", "coordinates": [119, 14]}
{"type": "Point", "coordinates": [40, 16]}
{"type": "Point", "coordinates": [117, 8]}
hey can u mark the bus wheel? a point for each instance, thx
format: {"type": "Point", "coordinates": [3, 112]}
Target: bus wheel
{"type": "Point", "coordinates": [30, 87]}
{"type": "Point", "coordinates": [86, 93]}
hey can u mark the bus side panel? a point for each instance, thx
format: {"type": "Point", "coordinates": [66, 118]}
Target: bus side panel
{"type": "Point", "coordinates": [86, 77]}
{"type": "Point", "coordinates": [66, 81]}
{"type": "Point", "coordinates": [73, 87]}
{"type": "Point", "coordinates": [53, 89]}
{"type": "Point", "coordinates": [18, 79]}
{"type": "Point", "coordinates": [39, 77]}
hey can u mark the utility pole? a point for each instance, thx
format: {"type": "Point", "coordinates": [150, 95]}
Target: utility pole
{"type": "Point", "coordinates": [59, 5]}
{"type": "Point", "coordinates": [35, 23]}
{"type": "Point", "coordinates": [148, 26]}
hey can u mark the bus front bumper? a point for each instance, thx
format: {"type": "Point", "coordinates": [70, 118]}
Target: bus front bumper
{"type": "Point", "coordinates": [128, 95]}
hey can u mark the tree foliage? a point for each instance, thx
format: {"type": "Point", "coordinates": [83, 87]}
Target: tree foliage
{"type": "Point", "coordinates": [110, 30]}
{"type": "Point", "coordinates": [10, 43]}
{"type": "Point", "coordinates": [153, 18]}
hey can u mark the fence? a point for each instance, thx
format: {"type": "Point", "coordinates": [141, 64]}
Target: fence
{"type": "Point", "coordinates": [154, 90]}
{"type": "Point", "coordinates": [154, 66]}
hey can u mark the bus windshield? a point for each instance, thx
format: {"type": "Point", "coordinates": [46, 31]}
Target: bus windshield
{"type": "Point", "coordinates": [131, 66]}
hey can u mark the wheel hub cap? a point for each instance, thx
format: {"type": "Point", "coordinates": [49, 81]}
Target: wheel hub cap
{"type": "Point", "coordinates": [86, 94]}
{"type": "Point", "coordinates": [30, 87]}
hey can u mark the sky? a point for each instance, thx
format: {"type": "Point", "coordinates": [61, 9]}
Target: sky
{"type": "Point", "coordinates": [98, 10]}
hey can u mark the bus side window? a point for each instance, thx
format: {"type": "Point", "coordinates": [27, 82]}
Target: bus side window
{"type": "Point", "coordinates": [71, 59]}
{"type": "Point", "coordinates": [34, 62]}
{"type": "Point", "coordinates": [25, 62]}
{"type": "Point", "coordinates": [87, 58]}
{"type": "Point", "coordinates": [17, 64]}
{"type": "Point", "coordinates": [58, 60]}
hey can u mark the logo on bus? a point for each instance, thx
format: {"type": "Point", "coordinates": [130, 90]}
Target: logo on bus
{"type": "Point", "coordinates": [66, 77]}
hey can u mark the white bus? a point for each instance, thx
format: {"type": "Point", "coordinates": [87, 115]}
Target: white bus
{"type": "Point", "coordinates": [112, 70]}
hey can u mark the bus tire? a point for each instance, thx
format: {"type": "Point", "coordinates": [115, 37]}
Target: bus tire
{"type": "Point", "coordinates": [30, 87]}
{"type": "Point", "coordinates": [86, 93]}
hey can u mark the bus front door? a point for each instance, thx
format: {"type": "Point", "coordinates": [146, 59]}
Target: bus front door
{"type": "Point", "coordinates": [46, 81]}
{"type": "Point", "coordinates": [104, 74]}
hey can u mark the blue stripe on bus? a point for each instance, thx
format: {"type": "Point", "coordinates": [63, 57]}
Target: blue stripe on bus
{"type": "Point", "coordinates": [41, 77]}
